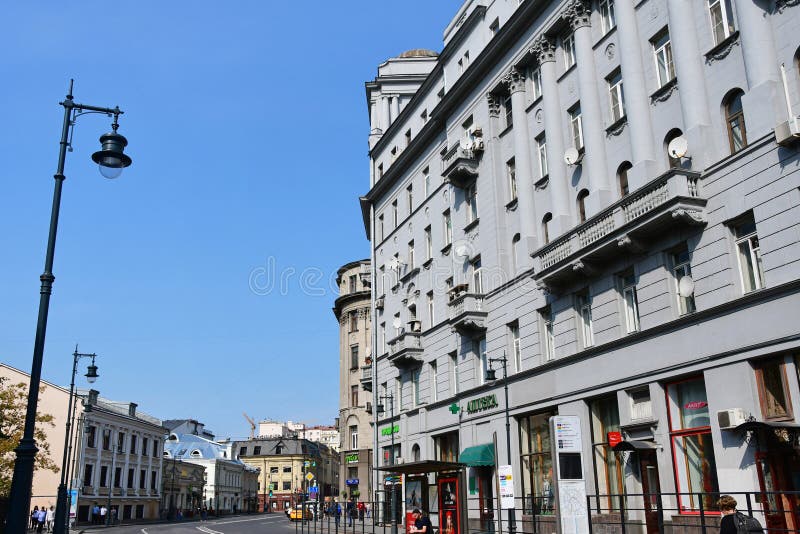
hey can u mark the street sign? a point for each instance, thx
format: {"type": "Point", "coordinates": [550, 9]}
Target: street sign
{"type": "Point", "coordinates": [506, 487]}
{"type": "Point", "coordinates": [310, 477]}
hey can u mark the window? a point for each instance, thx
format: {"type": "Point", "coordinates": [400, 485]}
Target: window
{"type": "Point", "coordinates": [693, 450]}
{"type": "Point", "coordinates": [133, 445]}
{"type": "Point", "coordinates": [680, 268]}
{"type": "Point", "coordinates": [773, 390]}
{"type": "Point", "coordinates": [448, 227]}
{"type": "Point", "coordinates": [394, 214]}
{"type": "Point", "coordinates": [541, 154]}
{"type": "Point", "coordinates": [286, 485]}
{"type": "Point", "coordinates": [479, 348]}
{"type": "Point", "coordinates": [120, 441]}
{"type": "Point", "coordinates": [354, 396]}
{"type": "Point", "coordinates": [354, 357]}
{"type": "Point", "coordinates": [608, 469]}
{"type": "Point", "coordinates": [721, 19]}
{"type": "Point", "coordinates": [408, 137]}
{"type": "Point", "coordinates": [410, 198]}
{"type": "Point", "coordinates": [607, 19]}
{"type": "Point", "coordinates": [547, 337]}
{"type": "Point", "coordinates": [630, 301]}
{"type": "Point", "coordinates": [471, 195]}
{"type": "Point", "coordinates": [353, 283]}
{"type": "Point", "coordinates": [131, 475]}
{"type": "Point", "coordinates": [142, 478]}
{"type": "Point", "coordinates": [287, 468]}
{"type": "Point", "coordinates": [155, 448]}
{"type": "Point", "coordinates": [511, 172]}
{"type": "Point", "coordinates": [428, 244]}
{"type": "Point", "coordinates": [426, 179]}
{"type": "Point", "coordinates": [424, 116]}
{"type": "Point", "coordinates": [445, 447]}
{"type": "Point", "coordinates": [750, 268]}
{"type": "Point", "coordinates": [411, 263]}
{"type": "Point", "coordinates": [415, 376]}
{"type": "Point", "coordinates": [91, 436]}
{"type": "Point", "coordinates": [546, 227]}
{"type": "Point", "coordinates": [568, 49]}
{"type": "Point", "coordinates": [354, 437]}
{"type": "Point", "coordinates": [273, 470]}
{"type": "Point", "coordinates": [257, 450]}
{"type": "Point", "coordinates": [242, 451]}
{"type": "Point", "coordinates": [734, 118]}
{"type": "Point", "coordinates": [616, 96]}
{"type": "Point", "coordinates": [153, 475]}
{"type": "Point", "coordinates": [397, 324]}
{"type": "Point", "coordinates": [380, 228]}
{"type": "Point", "coordinates": [576, 126]}
{"type": "Point", "coordinates": [536, 464]}
{"type": "Point", "coordinates": [516, 348]}
{"type": "Point", "coordinates": [434, 382]}
{"type": "Point", "coordinates": [106, 439]}
{"type": "Point", "coordinates": [622, 178]}
{"type": "Point", "coordinates": [536, 83]}
{"type": "Point", "coordinates": [662, 50]}
{"type": "Point", "coordinates": [144, 446]}
{"type": "Point", "coordinates": [584, 305]}
{"type": "Point", "coordinates": [477, 277]}
{"type": "Point", "coordinates": [494, 27]}
{"type": "Point", "coordinates": [455, 375]}
{"type": "Point", "coordinates": [508, 107]}
{"type": "Point", "coordinates": [641, 407]}
{"type": "Point", "coordinates": [353, 321]}
{"type": "Point", "coordinates": [382, 337]}
{"type": "Point", "coordinates": [103, 476]}
{"type": "Point", "coordinates": [380, 170]}
{"type": "Point", "coordinates": [398, 389]}
{"type": "Point", "coordinates": [431, 310]}
{"type": "Point", "coordinates": [581, 204]}
{"type": "Point", "coordinates": [87, 474]}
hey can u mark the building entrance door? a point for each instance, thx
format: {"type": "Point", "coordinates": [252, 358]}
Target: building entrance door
{"type": "Point", "coordinates": [650, 488]}
{"type": "Point", "coordinates": [778, 471]}
{"type": "Point", "coordinates": [486, 497]}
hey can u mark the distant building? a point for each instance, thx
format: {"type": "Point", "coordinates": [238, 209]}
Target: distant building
{"type": "Point", "coordinates": [327, 435]}
{"type": "Point", "coordinates": [183, 484]}
{"type": "Point", "coordinates": [188, 426]}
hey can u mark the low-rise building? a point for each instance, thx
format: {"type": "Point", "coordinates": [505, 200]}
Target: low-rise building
{"type": "Point", "coordinates": [183, 485]}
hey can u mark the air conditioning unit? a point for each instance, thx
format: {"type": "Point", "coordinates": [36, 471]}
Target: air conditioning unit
{"type": "Point", "coordinates": [378, 304]}
{"type": "Point", "coordinates": [731, 418]}
{"type": "Point", "coordinates": [369, 407]}
{"type": "Point", "coordinates": [787, 133]}
{"type": "Point", "coordinates": [399, 460]}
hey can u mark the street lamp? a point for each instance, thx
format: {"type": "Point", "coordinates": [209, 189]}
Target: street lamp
{"type": "Point", "coordinates": [490, 377]}
{"type": "Point", "coordinates": [61, 525]}
{"type": "Point", "coordinates": [109, 157]}
{"type": "Point", "coordinates": [380, 409]}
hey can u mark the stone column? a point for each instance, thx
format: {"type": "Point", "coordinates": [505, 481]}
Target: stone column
{"type": "Point", "coordinates": [500, 185]}
{"type": "Point", "coordinates": [761, 69]}
{"type": "Point", "coordinates": [395, 107]}
{"type": "Point", "coordinates": [637, 101]}
{"type": "Point", "coordinates": [385, 114]}
{"type": "Point", "coordinates": [515, 79]}
{"type": "Point", "coordinates": [544, 49]}
{"type": "Point", "coordinates": [595, 167]}
{"type": "Point", "coordinates": [691, 81]}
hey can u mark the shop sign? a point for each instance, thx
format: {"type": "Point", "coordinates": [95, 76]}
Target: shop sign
{"type": "Point", "coordinates": [614, 438]}
{"type": "Point", "coordinates": [389, 430]}
{"type": "Point", "coordinates": [482, 403]}
{"type": "Point", "coordinates": [695, 405]}
{"type": "Point", "coordinates": [351, 459]}
{"type": "Point", "coordinates": [352, 482]}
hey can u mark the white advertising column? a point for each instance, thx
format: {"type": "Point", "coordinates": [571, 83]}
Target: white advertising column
{"type": "Point", "coordinates": [568, 468]}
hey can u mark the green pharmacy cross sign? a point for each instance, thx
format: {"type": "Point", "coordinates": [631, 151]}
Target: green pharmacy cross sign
{"type": "Point", "coordinates": [454, 408]}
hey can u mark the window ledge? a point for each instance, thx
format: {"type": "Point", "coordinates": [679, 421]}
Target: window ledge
{"type": "Point", "coordinates": [446, 249]}
{"type": "Point", "coordinates": [512, 205]}
{"type": "Point", "coordinates": [566, 72]}
{"type": "Point", "coordinates": [616, 127]}
{"type": "Point", "coordinates": [410, 274]}
{"type": "Point", "coordinates": [507, 129]}
{"type": "Point", "coordinates": [664, 92]}
{"type": "Point", "coordinates": [427, 263]}
{"type": "Point", "coordinates": [535, 102]}
{"type": "Point", "coordinates": [722, 50]}
{"type": "Point", "coordinates": [472, 225]}
{"type": "Point", "coordinates": [542, 182]}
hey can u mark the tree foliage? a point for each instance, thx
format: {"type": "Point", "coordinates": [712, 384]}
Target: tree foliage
{"type": "Point", "coordinates": [13, 403]}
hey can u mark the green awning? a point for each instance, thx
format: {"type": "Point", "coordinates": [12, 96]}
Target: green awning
{"type": "Point", "coordinates": [478, 456]}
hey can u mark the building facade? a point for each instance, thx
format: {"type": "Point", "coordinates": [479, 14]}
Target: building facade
{"type": "Point", "coordinates": [352, 311]}
{"type": "Point", "coordinates": [183, 485]}
{"type": "Point", "coordinates": [119, 459]}
{"type": "Point", "coordinates": [327, 435]}
{"type": "Point", "coordinates": [603, 197]}
{"type": "Point", "coordinates": [285, 465]}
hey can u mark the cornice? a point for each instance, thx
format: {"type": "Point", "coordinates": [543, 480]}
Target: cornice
{"type": "Point", "coordinates": [340, 303]}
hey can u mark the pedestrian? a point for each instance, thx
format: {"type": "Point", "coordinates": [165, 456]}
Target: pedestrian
{"type": "Point", "coordinates": [41, 516]}
{"type": "Point", "coordinates": [351, 512]}
{"type": "Point", "coordinates": [103, 512]}
{"type": "Point", "coordinates": [337, 513]}
{"type": "Point", "coordinates": [51, 515]}
{"type": "Point", "coordinates": [96, 514]}
{"type": "Point", "coordinates": [422, 523]}
{"type": "Point", "coordinates": [34, 516]}
{"type": "Point", "coordinates": [113, 516]}
{"type": "Point", "coordinates": [368, 509]}
{"type": "Point", "coordinates": [734, 521]}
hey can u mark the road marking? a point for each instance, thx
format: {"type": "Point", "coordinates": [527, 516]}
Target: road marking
{"type": "Point", "coordinates": [144, 531]}
{"type": "Point", "coordinates": [208, 530]}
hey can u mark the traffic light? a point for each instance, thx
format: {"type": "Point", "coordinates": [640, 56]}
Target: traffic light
{"type": "Point", "coordinates": [270, 493]}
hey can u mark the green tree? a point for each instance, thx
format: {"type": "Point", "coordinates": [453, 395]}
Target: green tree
{"type": "Point", "coordinates": [13, 402]}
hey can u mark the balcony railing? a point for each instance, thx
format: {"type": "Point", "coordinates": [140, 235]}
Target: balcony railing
{"type": "Point", "coordinates": [366, 377]}
{"type": "Point", "coordinates": [467, 313]}
{"type": "Point", "coordinates": [672, 198]}
{"type": "Point", "coordinates": [405, 349]}
{"type": "Point", "coordinates": [460, 166]}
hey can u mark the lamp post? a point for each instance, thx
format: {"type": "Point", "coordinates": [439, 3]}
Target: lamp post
{"type": "Point", "coordinates": [115, 449]}
{"type": "Point", "coordinates": [490, 377]}
{"type": "Point", "coordinates": [380, 409]}
{"type": "Point", "coordinates": [111, 160]}
{"type": "Point", "coordinates": [61, 525]}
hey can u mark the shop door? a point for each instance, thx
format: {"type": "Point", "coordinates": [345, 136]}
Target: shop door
{"type": "Point", "coordinates": [777, 470]}
{"type": "Point", "coordinates": [650, 488]}
{"type": "Point", "coordinates": [486, 498]}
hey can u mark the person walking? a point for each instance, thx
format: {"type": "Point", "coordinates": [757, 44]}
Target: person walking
{"type": "Point", "coordinates": [96, 514]}
{"type": "Point", "coordinates": [50, 517]}
{"type": "Point", "coordinates": [41, 516]}
{"type": "Point", "coordinates": [34, 516]}
{"type": "Point", "coordinates": [103, 512]}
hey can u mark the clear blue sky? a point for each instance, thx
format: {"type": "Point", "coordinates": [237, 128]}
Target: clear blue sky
{"type": "Point", "coordinates": [248, 130]}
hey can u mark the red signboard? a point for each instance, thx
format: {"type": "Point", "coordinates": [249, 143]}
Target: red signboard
{"type": "Point", "coordinates": [614, 438]}
{"type": "Point", "coordinates": [695, 405]}
{"type": "Point", "coordinates": [449, 506]}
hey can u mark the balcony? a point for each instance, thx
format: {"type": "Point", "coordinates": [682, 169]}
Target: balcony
{"type": "Point", "coordinates": [671, 200]}
{"type": "Point", "coordinates": [366, 377]}
{"type": "Point", "coordinates": [460, 166]}
{"type": "Point", "coordinates": [406, 349]}
{"type": "Point", "coordinates": [467, 315]}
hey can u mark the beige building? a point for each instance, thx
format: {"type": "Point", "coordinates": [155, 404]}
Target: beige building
{"type": "Point", "coordinates": [183, 487]}
{"type": "Point", "coordinates": [352, 310]}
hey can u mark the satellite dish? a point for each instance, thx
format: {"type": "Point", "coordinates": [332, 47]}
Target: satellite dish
{"type": "Point", "coordinates": [572, 156]}
{"type": "Point", "coordinates": [678, 147]}
{"type": "Point", "coordinates": [686, 287]}
{"type": "Point", "coordinates": [465, 144]}
{"type": "Point", "coordinates": [397, 323]}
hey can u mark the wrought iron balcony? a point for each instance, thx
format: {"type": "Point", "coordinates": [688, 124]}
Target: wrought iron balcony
{"type": "Point", "coordinates": [366, 377]}
{"type": "Point", "coordinates": [467, 314]}
{"type": "Point", "coordinates": [406, 349]}
{"type": "Point", "coordinates": [460, 166]}
{"type": "Point", "coordinates": [672, 199]}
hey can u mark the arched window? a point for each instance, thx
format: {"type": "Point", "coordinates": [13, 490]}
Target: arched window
{"type": "Point", "coordinates": [622, 178]}
{"type": "Point", "coordinates": [415, 454]}
{"type": "Point", "coordinates": [545, 227]}
{"type": "Point", "coordinates": [581, 204]}
{"type": "Point", "coordinates": [734, 119]}
{"type": "Point", "coordinates": [672, 134]}
{"type": "Point", "coordinates": [515, 263]}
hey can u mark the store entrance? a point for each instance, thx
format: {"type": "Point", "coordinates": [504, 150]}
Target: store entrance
{"type": "Point", "coordinates": [651, 487]}
{"type": "Point", "coordinates": [778, 473]}
{"type": "Point", "coordinates": [485, 479]}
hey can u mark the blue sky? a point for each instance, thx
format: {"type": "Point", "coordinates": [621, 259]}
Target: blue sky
{"type": "Point", "coordinates": [248, 130]}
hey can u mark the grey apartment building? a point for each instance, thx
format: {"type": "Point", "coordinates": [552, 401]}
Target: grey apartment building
{"type": "Point", "coordinates": [606, 194]}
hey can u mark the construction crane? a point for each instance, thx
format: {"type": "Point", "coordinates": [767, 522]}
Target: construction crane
{"type": "Point", "coordinates": [252, 425]}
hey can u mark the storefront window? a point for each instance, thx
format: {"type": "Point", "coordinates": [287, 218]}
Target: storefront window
{"type": "Point", "coordinates": [608, 471]}
{"type": "Point", "coordinates": [537, 466]}
{"type": "Point", "coordinates": [446, 446]}
{"type": "Point", "coordinates": [695, 465]}
{"type": "Point", "coordinates": [772, 389]}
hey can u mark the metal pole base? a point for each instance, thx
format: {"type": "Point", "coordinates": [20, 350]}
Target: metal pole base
{"type": "Point", "coordinates": [60, 525]}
